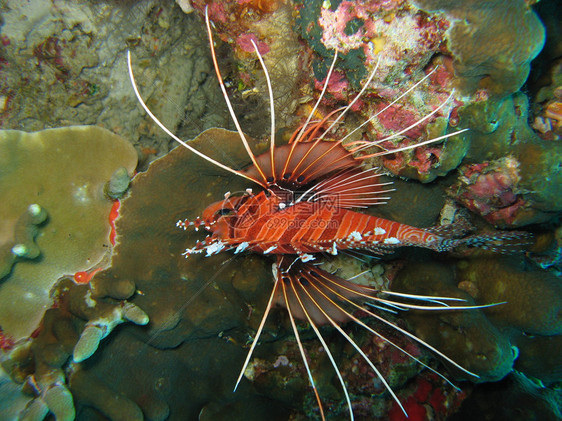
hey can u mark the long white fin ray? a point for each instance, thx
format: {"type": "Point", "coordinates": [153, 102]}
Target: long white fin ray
{"type": "Point", "coordinates": [172, 135]}
{"type": "Point", "coordinates": [228, 103]}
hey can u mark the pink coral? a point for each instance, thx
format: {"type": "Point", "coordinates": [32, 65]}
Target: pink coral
{"type": "Point", "coordinates": [395, 118]}
{"type": "Point", "coordinates": [425, 158]}
{"type": "Point", "coordinates": [244, 41]}
{"type": "Point", "coordinates": [334, 23]}
{"type": "Point", "coordinates": [6, 341]}
{"type": "Point", "coordinates": [216, 12]}
{"type": "Point", "coordinates": [491, 190]}
{"type": "Point", "coordinates": [387, 26]}
{"type": "Point", "coordinates": [338, 86]}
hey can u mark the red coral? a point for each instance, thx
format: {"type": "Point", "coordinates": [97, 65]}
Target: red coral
{"type": "Point", "coordinates": [438, 401]}
{"type": "Point", "coordinates": [432, 29]}
{"type": "Point", "coordinates": [423, 160]}
{"type": "Point", "coordinates": [431, 398]}
{"type": "Point", "coordinates": [244, 41]}
{"type": "Point", "coordinates": [113, 214]}
{"type": "Point", "coordinates": [415, 411]}
{"type": "Point", "coordinates": [426, 158]}
{"type": "Point", "coordinates": [6, 342]}
{"type": "Point", "coordinates": [395, 118]}
{"type": "Point", "coordinates": [215, 9]}
{"type": "Point", "coordinates": [338, 86]}
{"type": "Point", "coordinates": [441, 77]}
{"type": "Point", "coordinates": [423, 390]}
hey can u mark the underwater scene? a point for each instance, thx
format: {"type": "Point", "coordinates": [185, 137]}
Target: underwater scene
{"type": "Point", "coordinates": [280, 210]}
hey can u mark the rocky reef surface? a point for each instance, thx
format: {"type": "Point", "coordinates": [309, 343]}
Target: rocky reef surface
{"type": "Point", "coordinates": [102, 316]}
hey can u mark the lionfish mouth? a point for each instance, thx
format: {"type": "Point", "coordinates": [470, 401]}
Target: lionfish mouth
{"type": "Point", "coordinates": [307, 291]}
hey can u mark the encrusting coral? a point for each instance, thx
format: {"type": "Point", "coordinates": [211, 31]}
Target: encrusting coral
{"type": "Point", "coordinates": [60, 172]}
{"type": "Point", "coordinates": [147, 269]}
{"type": "Point", "coordinates": [512, 176]}
{"type": "Point", "coordinates": [21, 244]}
{"type": "Point", "coordinates": [488, 51]}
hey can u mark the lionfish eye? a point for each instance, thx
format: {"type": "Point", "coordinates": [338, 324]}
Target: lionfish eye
{"type": "Point", "coordinates": [223, 211]}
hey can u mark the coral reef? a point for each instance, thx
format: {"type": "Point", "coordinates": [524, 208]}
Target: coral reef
{"type": "Point", "coordinates": [488, 53]}
{"type": "Point", "coordinates": [197, 341]}
{"type": "Point", "coordinates": [402, 42]}
{"type": "Point", "coordinates": [64, 63]}
{"type": "Point", "coordinates": [147, 269]}
{"type": "Point", "coordinates": [75, 236]}
{"type": "Point", "coordinates": [517, 164]}
{"type": "Point", "coordinates": [133, 339]}
{"type": "Point", "coordinates": [490, 341]}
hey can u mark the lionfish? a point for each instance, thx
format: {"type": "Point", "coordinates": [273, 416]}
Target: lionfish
{"type": "Point", "coordinates": [309, 187]}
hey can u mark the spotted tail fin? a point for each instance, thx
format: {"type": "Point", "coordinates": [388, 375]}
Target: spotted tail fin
{"type": "Point", "coordinates": [508, 242]}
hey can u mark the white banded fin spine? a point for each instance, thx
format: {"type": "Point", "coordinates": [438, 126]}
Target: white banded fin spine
{"type": "Point", "coordinates": [241, 247]}
{"type": "Point", "coordinates": [214, 248]}
{"type": "Point", "coordinates": [269, 250]}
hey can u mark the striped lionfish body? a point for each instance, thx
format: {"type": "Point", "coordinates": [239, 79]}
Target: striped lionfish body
{"type": "Point", "coordinates": [267, 225]}
{"type": "Point", "coordinates": [294, 218]}
{"type": "Point", "coordinates": [309, 188]}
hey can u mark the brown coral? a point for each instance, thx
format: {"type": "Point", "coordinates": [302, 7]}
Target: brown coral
{"type": "Point", "coordinates": [490, 341]}
{"type": "Point", "coordinates": [189, 318]}
{"type": "Point", "coordinates": [467, 337]}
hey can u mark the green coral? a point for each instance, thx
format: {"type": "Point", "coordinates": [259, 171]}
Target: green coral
{"type": "Point", "coordinates": [499, 128]}
{"type": "Point", "coordinates": [63, 171]}
{"type": "Point", "coordinates": [492, 41]}
{"type": "Point", "coordinates": [22, 245]}
{"type": "Point", "coordinates": [352, 62]}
